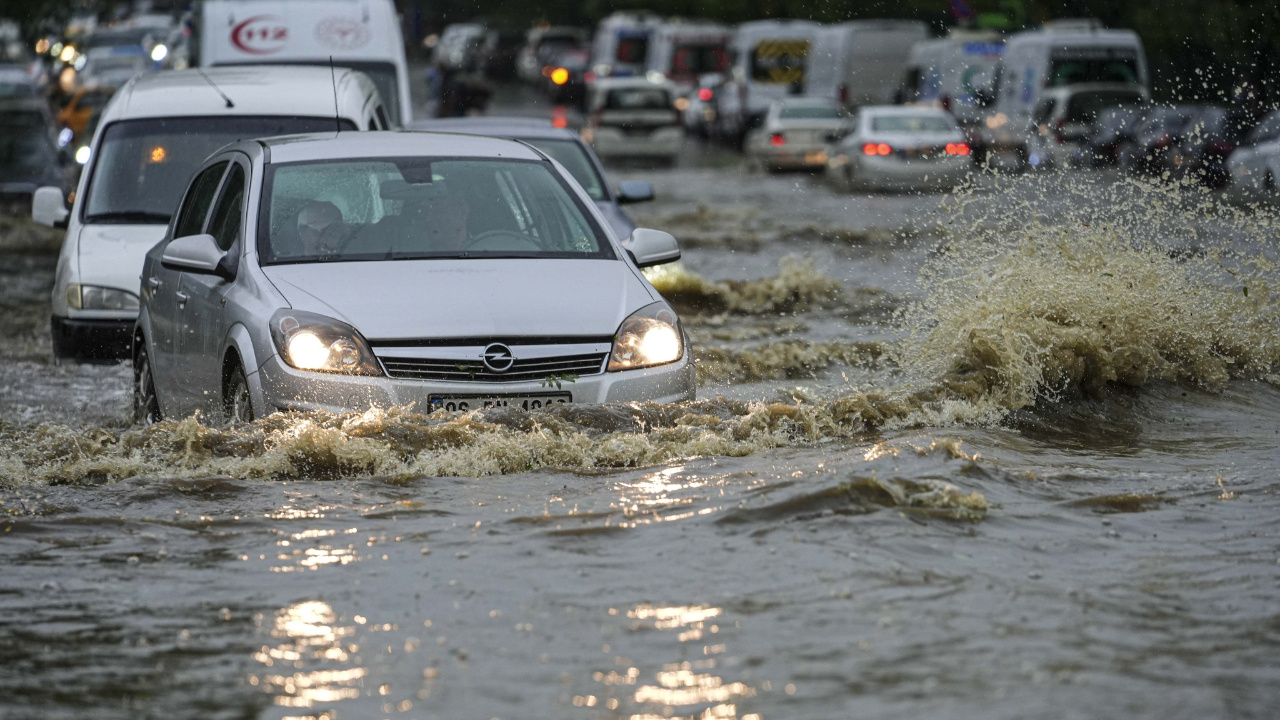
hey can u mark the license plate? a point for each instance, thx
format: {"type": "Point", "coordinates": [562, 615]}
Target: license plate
{"type": "Point", "coordinates": [462, 403]}
{"type": "Point", "coordinates": [815, 158]}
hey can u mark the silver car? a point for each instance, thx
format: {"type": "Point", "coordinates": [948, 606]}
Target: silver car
{"type": "Point", "coordinates": [350, 270]}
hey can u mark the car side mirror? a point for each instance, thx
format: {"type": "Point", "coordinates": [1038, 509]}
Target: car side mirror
{"type": "Point", "coordinates": [198, 254]}
{"type": "Point", "coordinates": [48, 207]}
{"type": "Point", "coordinates": [634, 191]}
{"type": "Point", "coordinates": [652, 247]}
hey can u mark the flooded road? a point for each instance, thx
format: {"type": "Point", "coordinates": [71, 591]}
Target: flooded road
{"type": "Point", "coordinates": [1010, 453]}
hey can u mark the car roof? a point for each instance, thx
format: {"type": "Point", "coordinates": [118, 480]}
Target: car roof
{"type": "Point", "coordinates": [510, 127]}
{"type": "Point", "coordinates": [347, 145]}
{"type": "Point", "coordinates": [294, 90]}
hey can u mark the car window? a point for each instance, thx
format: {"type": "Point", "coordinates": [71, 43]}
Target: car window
{"type": "Point", "coordinates": [199, 198]}
{"type": "Point", "coordinates": [1084, 107]}
{"type": "Point", "coordinates": [811, 112]}
{"type": "Point", "coordinates": [574, 158]}
{"type": "Point", "coordinates": [225, 222]}
{"type": "Point", "coordinates": [637, 98]}
{"type": "Point", "coordinates": [397, 208]}
{"type": "Point", "coordinates": [911, 123]}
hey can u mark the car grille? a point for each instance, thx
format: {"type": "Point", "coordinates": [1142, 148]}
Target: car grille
{"type": "Point", "coordinates": [475, 371]}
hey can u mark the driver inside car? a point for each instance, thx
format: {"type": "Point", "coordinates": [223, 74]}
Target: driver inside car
{"type": "Point", "coordinates": [321, 230]}
{"type": "Point", "coordinates": [432, 219]}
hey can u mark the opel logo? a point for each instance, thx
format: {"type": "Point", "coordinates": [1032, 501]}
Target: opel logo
{"type": "Point", "coordinates": [498, 358]}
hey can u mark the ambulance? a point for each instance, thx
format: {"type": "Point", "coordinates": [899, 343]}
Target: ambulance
{"type": "Point", "coordinates": [362, 35]}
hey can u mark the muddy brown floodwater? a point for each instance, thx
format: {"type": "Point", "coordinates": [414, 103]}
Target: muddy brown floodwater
{"type": "Point", "coordinates": [1010, 453]}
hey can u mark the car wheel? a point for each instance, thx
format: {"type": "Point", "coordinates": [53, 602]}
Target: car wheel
{"type": "Point", "coordinates": [237, 404]}
{"type": "Point", "coordinates": [146, 404]}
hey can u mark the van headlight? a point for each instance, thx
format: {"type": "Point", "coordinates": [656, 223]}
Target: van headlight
{"type": "Point", "coordinates": [651, 336]}
{"type": "Point", "coordinates": [308, 341]}
{"type": "Point", "coordinates": [92, 297]}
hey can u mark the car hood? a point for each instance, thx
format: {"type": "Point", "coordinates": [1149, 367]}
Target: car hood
{"type": "Point", "coordinates": [499, 298]}
{"type": "Point", "coordinates": [112, 255]}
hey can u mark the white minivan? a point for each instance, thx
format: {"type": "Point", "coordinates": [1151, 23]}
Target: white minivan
{"type": "Point", "coordinates": [153, 134]}
{"type": "Point", "coordinates": [620, 46]}
{"type": "Point", "coordinates": [683, 51]}
{"type": "Point", "coordinates": [956, 73]}
{"type": "Point", "coordinates": [1060, 54]}
{"type": "Point", "coordinates": [361, 35]}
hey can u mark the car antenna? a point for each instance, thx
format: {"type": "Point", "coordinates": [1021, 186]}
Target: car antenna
{"type": "Point", "coordinates": [337, 120]}
{"type": "Point", "coordinates": [216, 88]}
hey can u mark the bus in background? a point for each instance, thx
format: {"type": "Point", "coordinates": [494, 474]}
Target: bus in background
{"type": "Point", "coordinates": [1061, 54]}
{"type": "Point", "coordinates": [362, 35]}
{"type": "Point", "coordinates": [621, 44]}
{"type": "Point", "coordinates": [684, 51]}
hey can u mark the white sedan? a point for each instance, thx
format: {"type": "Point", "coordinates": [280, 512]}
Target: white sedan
{"type": "Point", "coordinates": [350, 270]}
{"type": "Point", "coordinates": [901, 148]}
{"type": "Point", "coordinates": [1254, 167]}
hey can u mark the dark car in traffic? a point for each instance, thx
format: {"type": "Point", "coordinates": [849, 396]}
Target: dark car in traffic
{"type": "Point", "coordinates": [1148, 152]}
{"type": "Point", "coordinates": [1115, 127]}
{"type": "Point", "coordinates": [1200, 151]}
{"type": "Point", "coordinates": [29, 156]}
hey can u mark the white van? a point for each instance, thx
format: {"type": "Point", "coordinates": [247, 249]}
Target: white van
{"type": "Point", "coordinates": [773, 59]}
{"type": "Point", "coordinates": [682, 52]}
{"type": "Point", "coordinates": [153, 134]}
{"type": "Point", "coordinates": [957, 73]}
{"type": "Point", "coordinates": [362, 35]}
{"type": "Point", "coordinates": [621, 44]}
{"type": "Point", "coordinates": [1060, 54]}
{"type": "Point", "coordinates": [874, 54]}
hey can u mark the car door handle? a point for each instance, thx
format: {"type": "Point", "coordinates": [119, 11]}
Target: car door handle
{"type": "Point", "coordinates": [153, 282]}
{"type": "Point", "coordinates": [182, 298]}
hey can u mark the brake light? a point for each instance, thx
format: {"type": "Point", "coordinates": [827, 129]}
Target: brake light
{"type": "Point", "coordinates": [705, 94]}
{"type": "Point", "coordinates": [957, 149]}
{"type": "Point", "coordinates": [873, 149]}
{"type": "Point", "coordinates": [777, 140]}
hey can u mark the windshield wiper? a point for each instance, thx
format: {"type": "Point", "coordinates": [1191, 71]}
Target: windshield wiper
{"type": "Point", "coordinates": [127, 217]}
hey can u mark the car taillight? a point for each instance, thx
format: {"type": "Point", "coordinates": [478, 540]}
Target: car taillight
{"type": "Point", "coordinates": [777, 140]}
{"type": "Point", "coordinates": [705, 94]}
{"type": "Point", "coordinates": [872, 149]}
{"type": "Point", "coordinates": [957, 148]}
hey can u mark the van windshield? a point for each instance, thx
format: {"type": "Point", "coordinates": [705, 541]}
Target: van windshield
{"type": "Point", "coordinates": [143, 166]}
{"type": "Point", "coordinates": [1073, 69]}
{"type": "Point", "coordinates": [419, 208]}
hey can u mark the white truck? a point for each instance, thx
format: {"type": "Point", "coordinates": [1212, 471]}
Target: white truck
{"type": "Point", "coordinates": [871, 56]}
{"type": "Point", "coordinates": [1060, 54]}
{"type": "Point", "coordinates": [362, 35]}
{"type": "Point", "coordinates": [683, 51]}
{"type": "Point", "coordinates": [956, 73]}
{"type": "Point", "coordinates": [772, 60]}
{"type": "Point", "coordinates": [620, 47]}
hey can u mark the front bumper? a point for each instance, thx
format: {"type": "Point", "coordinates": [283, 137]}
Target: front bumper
{"type": "Point", "coordinates": [285, 388]}
{"type": "Point", "coordinates": [103, 341]}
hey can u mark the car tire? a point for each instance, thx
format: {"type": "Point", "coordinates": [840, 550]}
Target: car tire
{"type": "Point", "coordinates": [237, 403]}
{"type": "Point", "coordinates": [146, 404]}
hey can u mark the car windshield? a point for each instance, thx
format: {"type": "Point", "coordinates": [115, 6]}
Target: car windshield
{"type": "Point", "coordinates": [1083, 69]}
{"type": "Point", "coordinates": [911, 124]}
{"type": "Point", "coordinates": [417, 208]}
{"type": "Point", "coordinates": [811, 112]}
{"type": "Point", "coordinates": [25, 148]}
{"type": "Point", "coordinates": [143, 165]}
{"type": "Point", "coordinates": [637, 99]}
{"type": "Point", "coordinates": [574, 159]}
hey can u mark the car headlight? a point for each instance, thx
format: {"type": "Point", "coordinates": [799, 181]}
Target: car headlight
{"type": "Point", "coordinates": [92, 297]}
{"type": "Point", "coordinates": [308, 341]}
{"type": "Point", "coordinates": [651, 336]}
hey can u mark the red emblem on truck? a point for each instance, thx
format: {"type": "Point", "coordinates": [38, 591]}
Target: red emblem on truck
{"type": "Point", "coordinates": [260, 35]}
